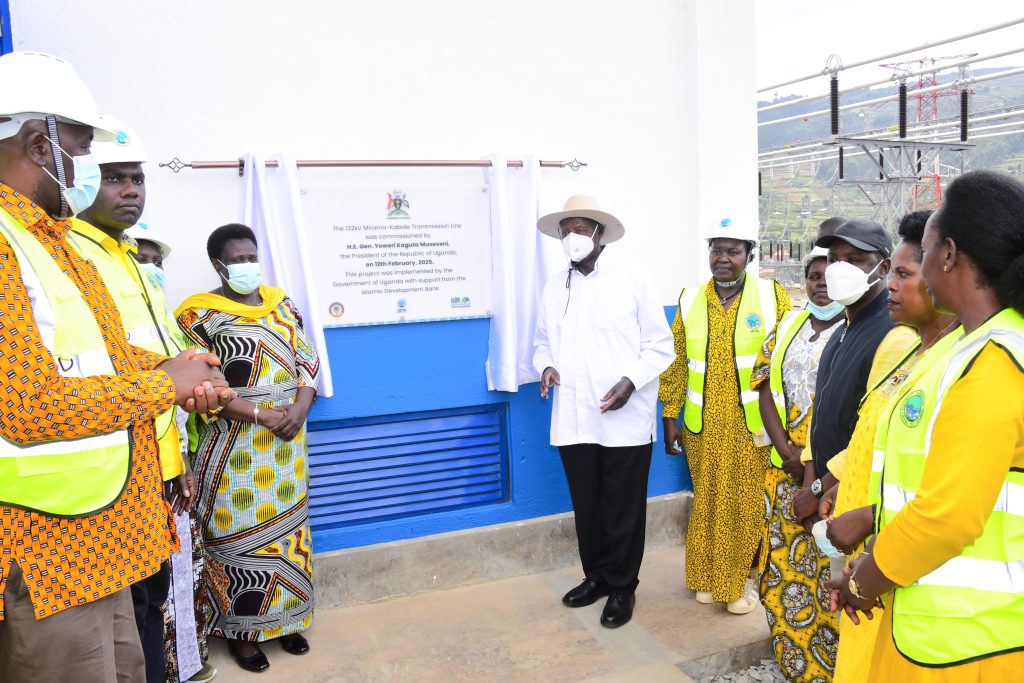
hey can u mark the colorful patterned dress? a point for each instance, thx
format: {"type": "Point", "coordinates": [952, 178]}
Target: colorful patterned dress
{"type": "Point", "coordinates": [726, 468]}
{"type": "Point", "coordinates": [793, 573]}
{"type": "Point", "coordinates": [253, 486]}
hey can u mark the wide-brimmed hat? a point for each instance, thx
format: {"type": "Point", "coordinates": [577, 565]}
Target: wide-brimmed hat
{"type": "Point", "coordinates": [582, 206]}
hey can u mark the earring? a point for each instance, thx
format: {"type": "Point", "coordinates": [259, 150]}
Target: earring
{"type": "Point", "coordinates": [945, 269]}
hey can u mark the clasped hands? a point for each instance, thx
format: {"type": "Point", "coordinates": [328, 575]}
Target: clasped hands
{"type": "Point", "coordinates": [199, 385]}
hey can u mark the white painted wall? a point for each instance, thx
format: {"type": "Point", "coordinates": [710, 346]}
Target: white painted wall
{"type": "Point", "coordinates": [656, 95]}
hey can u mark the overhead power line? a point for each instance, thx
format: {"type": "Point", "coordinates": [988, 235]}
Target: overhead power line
{"type": "Point", "coordinates": [890, 55]}
{"type": "Point", "coordinates": [814, 98]}
{"type": "Point", "coordinates": [889, 98]}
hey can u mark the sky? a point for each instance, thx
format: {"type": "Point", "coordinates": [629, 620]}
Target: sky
{"type": "Point", "coordinates": [796, 37]}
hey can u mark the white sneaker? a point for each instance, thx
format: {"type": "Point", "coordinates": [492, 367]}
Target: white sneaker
{"type": "Point", "coordinates": [746, 602]}
{"type": "Point", "coordinates": [704, 597]}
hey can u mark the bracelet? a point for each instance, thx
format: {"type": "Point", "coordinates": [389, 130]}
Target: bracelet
{"type": "Point", "coordinates": [256, 415]}
{"type": "Point", "coordinates": [855, 589]}
{"type": "Point", "coordinates": [215, 412]}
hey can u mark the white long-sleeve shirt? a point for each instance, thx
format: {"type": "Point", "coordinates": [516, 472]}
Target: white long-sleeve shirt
{"type": "Point", "coordinates": [603, 327]}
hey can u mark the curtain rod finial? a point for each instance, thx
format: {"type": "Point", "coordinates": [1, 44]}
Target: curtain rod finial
{"type": "Point", "coordinates": [175, 164]}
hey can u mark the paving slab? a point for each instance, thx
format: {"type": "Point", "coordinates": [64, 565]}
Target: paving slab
{"type": "Point", "coordinates": [516, 630]}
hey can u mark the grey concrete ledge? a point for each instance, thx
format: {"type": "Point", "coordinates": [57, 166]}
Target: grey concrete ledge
{"type": "Point", "coordinates": [389, 570]}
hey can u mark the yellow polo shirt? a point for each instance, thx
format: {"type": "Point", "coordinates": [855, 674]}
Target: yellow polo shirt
{"type": "Point", "coordinates": [171, 462]}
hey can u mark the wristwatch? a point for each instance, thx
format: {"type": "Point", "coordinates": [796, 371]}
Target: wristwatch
{"type": "Point", "coordinates": [816, 488]}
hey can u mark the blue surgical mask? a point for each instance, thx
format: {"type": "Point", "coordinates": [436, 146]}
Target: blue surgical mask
{"type": "Point", "coordinates": [86, 186]}
{"type": "Point", "coordinates": [155, 272]}
{"type": "Point", "coordinates": [244, 278]}
{"type": "Point", "coordinates": [820, 533]}
{"type": "Point", "coordinates": [825, 312]}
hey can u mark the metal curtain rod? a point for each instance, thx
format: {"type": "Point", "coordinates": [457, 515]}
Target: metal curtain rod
{"type": "Point", "coordinates": [177, 164]}
{"type": "Point", "coordinates": [890, 55]}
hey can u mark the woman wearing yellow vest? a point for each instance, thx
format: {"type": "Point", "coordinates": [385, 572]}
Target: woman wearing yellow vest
{"type": "Point", "coordinates": [793, 574]}
{"type": "Point", "coordinates": [924, 335]}
{"type": "Point", "coordinates": [948, 558]}
{"type": "Point", "coordinates": [718, 330]}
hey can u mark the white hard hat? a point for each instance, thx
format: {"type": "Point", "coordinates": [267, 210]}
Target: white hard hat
{"type": "Point", "coordinates": [142, 231]}
{"type": "Point", "coordinates": [49, 87]}
{"type": "Point", "coordinates": [727, 228]}
{"type": "Point", "coordinates": [125, 147]}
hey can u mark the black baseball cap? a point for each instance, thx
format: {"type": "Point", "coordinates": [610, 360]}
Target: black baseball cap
{"type": "Point", "coordinates": [865, 235]}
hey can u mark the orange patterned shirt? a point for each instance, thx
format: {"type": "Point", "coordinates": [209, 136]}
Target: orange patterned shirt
{"type": "Point", "coordinates": [68, 562]}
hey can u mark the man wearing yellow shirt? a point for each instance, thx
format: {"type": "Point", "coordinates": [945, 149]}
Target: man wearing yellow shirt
{"type": "Point", "coordinates": [98, 235]}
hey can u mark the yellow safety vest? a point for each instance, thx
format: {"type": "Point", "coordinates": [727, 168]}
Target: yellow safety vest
{"type": "Point", "coordinates": [791, 324]}
{"type": "Point", "coordinates": [756, 316]}
{"type": "Point", "coordinates": [64, 477]}
{"type": "Point", "coordinates": [973, 605]}
{"type": "Point", "coordinates": [144, 317]}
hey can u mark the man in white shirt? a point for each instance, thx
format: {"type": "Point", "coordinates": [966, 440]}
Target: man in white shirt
{"type": "Point", "coordinates": [603, 339]}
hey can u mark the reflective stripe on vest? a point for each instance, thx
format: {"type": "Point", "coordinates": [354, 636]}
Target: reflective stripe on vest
{"type": "Point", "coordinates": [69, 477]}
{"type": "Point", "coordinates": [138, 305]}
{"type": "Point", "coordinates": [790, 325]}
{"type": "Point", "coordinates": [755, 317]}
{"type": "Point", "coordinates": [973, 605]}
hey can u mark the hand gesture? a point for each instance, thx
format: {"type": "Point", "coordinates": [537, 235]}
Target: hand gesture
{"type": "Point", "coordinates": [805, 507]}
{"type": "Point", "coordinates": [673, 436]}
{"type": "Point", "coordinates": [199, 386]}
{"type": "Point", "coordinates": [270, 418]}
{"type": "Point", "coordinates": [618, 395]}
{"type": "Point", "coordinates": [842, 598]}
{"type": "Point", "coordinates": [547, 379]}
{"type": "Point", "coordinates": [791, 464]}
{"type": "Point", "coordinates": [850, 529]}
{"type": "Point", "coordinates": [828, 502]}
{"type": "Point", "coordinates": [291, 423]}
{"type": "Point", "coordinates": [183, 491]}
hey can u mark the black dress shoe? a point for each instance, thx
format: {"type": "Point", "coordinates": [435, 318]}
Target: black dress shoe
{"type": "Point", "coordinates": [587, 593]}
{"type": "Point", "coordinates": [618, 610]}
{"type": "Point", "coordinates": [295, 644]}
{"type": "Point", "coordinates": [257, 662]}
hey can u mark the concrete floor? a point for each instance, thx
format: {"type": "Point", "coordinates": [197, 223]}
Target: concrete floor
{"type": "Point", "coordinates": [516, 629]}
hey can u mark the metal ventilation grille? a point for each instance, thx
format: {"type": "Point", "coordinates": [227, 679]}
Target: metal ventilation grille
{"type": "Point", "coordinates": [365, 470]}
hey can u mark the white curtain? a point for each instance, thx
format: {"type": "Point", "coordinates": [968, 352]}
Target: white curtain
{"type": "Point", "coordinates": [522, 260]}
{"type": "Point", "coordinates": [272, 207]}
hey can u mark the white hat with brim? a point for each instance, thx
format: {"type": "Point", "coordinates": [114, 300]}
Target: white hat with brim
{"type": "Point", "coordinates": [582, 206]}
{"type": "Point", "coordinates": [56, 91]}
{"type": "Point", "coordinates": [816, 252]}
{"type": "Point", "coordinates": [142, 231]}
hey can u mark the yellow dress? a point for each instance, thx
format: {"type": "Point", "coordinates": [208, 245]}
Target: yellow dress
{"type": "Point", "coordinates": [794, 574]}
{"type": "Point", "coordinates": [726, 468]}
{"type": "Point", "coordinates": [857, 642]}
{"type": "Point", "coordinates": [978, 436]}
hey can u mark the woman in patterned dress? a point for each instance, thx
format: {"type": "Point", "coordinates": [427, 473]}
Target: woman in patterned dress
{"type": "Point", "coordinates": [726, 466]}
{"type": "Point", "coordinates": [251, 458]}
{"type": "Point", "coordinates": [793, 572]}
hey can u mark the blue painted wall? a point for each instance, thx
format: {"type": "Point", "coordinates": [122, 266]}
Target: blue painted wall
{"type": "Point", "coordinates": [395, 369]}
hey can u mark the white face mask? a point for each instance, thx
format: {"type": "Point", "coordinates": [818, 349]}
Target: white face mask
{"type": "Point", "coordinates": [577, 247]}
{"type": "Point", "coordinates": [244, 278]}
{"type": "Point", "coordinates": [847, 283]}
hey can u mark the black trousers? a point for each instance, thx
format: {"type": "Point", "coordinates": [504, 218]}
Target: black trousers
{"type": "Point", "coordinates": [148, 597]}
{"type": "Point", "coordinates": [608, 486]}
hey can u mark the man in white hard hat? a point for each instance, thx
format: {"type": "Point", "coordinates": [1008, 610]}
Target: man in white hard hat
{"type": "Point", "coordinates": [82, 515]}
{"type": "Point", "coordinates": [602, 339]}
{"type": "Point", "coordinates": [719, 328]}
